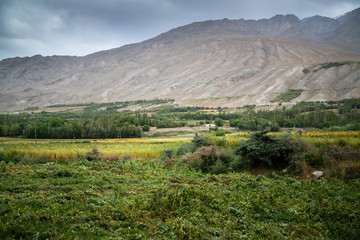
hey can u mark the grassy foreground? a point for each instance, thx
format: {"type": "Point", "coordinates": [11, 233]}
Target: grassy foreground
{"type": "Point", "coordinates": [138, 199]}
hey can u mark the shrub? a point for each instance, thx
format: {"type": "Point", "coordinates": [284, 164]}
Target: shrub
{"type": "Point", "coordinates": [168, 153]}
{"type": "Point", "coordinates": [169, 162]}
{"type": "Point", "coordinates": [219, 167]}
{"type": "Point", "coordinates": [146, 128]}
{"type": "Point", "coordinates": [342, 153]}
{"type": "Point", "coordinates": [336, 161]}
{"type": "Point", "coordinates": [238, 164]}
{"type": "Point", "coordinates": [213, 128]}
{"type": "Point", "coordinates": [266, 150]}
{"type": "Point", "coordinates": [209, 156]}
{"type": "Point", "coordinates": [220, 141]}
{"type": "Point", "coordinates": [220, 133]}
{"type": "Point", "coordinates": [194, 160]}
{"type": "Point", "coordinates": [219, 122]}
{"type": "Point", "coordinates": [94, 154]}
{"type": "Point", "coordinates": [352, 171]}
{"type": "Point", "coordinates": [200, 141]}
{"type": "Point", "coordinates": [203, 159]}
{"type": "Point", "coordinates": [226, 156]}
{"type": "Point", "coordinates": [314, 157]}
{"type": "Point", "coordinates": [184, 149]}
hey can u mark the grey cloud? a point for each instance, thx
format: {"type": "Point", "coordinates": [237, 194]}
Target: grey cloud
{"type": "Point", "coordinates": [68, 27]}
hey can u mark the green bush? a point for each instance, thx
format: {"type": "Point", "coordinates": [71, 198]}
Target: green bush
{"type": "Point", "coordinates": [203, 159]}
{"type": "Point", "coordinates": [227, 156]}
{"type": "Point", "coordinates": [219, 167]}
{"type": "Point", "coordinates": [168, 153]}
{"type": "Point", "coordinates": [194, 160]}
{"type": "Point", "coordinates": [184, 149]}
{"type": "Point", "coordinates": [219, 122]}
{"type": "Point", "coordinates": [146, 128]}
{"type": "Point", "coordinates": [238, 164]}
{"type": "Point", "coordinates": [220, 141]}
{"type": "Point", "coordinates": [266, 150]}
{"type": "Point", "coordinates": [220, 133]}
{"type": "Point", "coordinates": [209, 156]}
{"type": "Point", "coordinates": [200, 141]}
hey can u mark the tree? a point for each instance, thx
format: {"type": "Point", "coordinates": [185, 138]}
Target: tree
{"type": "Point", "coordinates": [266, 150]}
{"type": "Point", "coordinates": [219, 122]}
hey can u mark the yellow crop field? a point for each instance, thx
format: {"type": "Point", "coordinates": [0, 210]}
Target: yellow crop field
{"type": "Point", "coordinates": [351, 138]}
{"type": "Point", "coordinates": [318, 138]}
{"type": "Point", "coordinates": [68, 149]}
{"type": "Point", "coordinates": [337, 134]}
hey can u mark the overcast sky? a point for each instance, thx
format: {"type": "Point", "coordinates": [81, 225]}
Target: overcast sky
{"type": "Point", "coordinates": [80, 27]}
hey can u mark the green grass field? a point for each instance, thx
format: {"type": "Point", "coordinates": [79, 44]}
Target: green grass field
{"type": "Point", "coordinates": [52, 192]}
{"type": "Point", "coordinates": [137, 199]}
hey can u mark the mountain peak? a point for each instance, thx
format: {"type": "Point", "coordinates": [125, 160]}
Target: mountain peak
{"type": "Point", "coordinates": [287, 18]}
{"type": "Point", "coordinates": [345, 17]}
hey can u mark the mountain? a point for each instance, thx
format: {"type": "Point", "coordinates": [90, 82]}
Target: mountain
{"type": "Point", "coordinates": [213, 63]}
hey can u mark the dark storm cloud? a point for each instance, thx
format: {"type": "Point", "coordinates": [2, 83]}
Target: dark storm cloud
{"type": "Point", "coordinates": [79, 27]}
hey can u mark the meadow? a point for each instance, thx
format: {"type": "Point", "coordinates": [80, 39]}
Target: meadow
{"type": "Point", "coordinates": [49, 190]}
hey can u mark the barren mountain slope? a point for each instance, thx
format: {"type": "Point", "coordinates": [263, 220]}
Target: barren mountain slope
{"type": "Point", "coordinates": [224, 70]}
{"type": "Point", "coordinates": [212, 63]}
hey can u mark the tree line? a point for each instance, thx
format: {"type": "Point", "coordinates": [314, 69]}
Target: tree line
{"type": "Point", "coordinates": [340, 115]}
